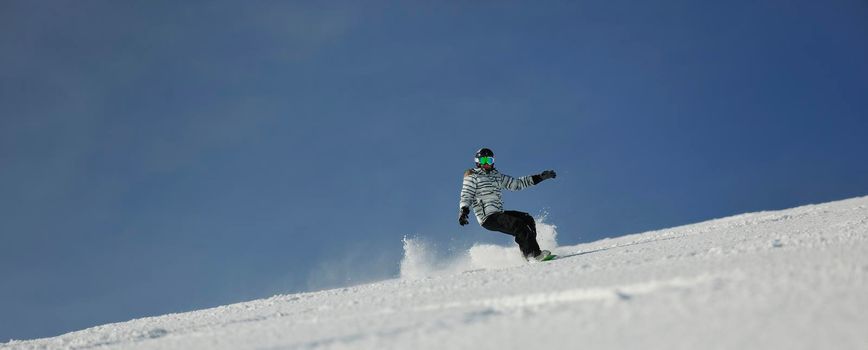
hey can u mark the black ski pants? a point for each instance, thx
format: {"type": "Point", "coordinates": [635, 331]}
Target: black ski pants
{"type": "Point", "coordinates": [518, 224]}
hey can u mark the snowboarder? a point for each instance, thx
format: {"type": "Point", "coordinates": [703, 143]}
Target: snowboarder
{"type": "Point", "coordinates": [481, 190]}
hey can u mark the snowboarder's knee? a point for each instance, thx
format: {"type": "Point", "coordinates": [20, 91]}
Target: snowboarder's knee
{"type": "Point", "coordinates": [528, 219]}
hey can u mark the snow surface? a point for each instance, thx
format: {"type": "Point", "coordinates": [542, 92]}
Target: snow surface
{"type": "Point", "coordinates": [790, 279]}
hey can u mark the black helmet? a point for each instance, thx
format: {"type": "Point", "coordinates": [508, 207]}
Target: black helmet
{"type": "Point", "coordinates": [484, 159]}
{"type": "Point", "coordinates": [484, 152]}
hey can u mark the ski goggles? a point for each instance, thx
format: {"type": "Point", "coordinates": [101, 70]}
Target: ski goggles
{"type": "Point", "coordinates": [485, 160]}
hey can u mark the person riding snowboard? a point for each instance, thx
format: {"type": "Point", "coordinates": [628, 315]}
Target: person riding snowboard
{"type": "Point", "coordinates": [481, 190]}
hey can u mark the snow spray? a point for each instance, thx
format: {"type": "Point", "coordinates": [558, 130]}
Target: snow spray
{"type": "Point", "coordinates": [421, 258]}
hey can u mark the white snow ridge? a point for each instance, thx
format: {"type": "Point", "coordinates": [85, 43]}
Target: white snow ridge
{"type": "Point", "coordinates": [790, 279]}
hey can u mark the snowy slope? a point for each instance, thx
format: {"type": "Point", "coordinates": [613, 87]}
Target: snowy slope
{"type": "Point", "coordinates": [790, 279]}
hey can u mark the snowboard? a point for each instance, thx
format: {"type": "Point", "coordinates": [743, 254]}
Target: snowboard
{"type": "Point", "coordinates": [550, 257]}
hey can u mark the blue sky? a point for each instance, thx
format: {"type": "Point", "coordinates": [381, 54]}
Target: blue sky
{"type": "Point", "coordinates": [162, 156]}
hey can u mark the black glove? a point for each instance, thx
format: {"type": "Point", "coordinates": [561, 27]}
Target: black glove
{"type": "Point", "coordinates": [545, 175]}
{"type": "Point", "coordinates": [462, 216]}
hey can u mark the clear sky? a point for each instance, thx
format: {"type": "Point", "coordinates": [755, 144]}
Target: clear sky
{"type": "Point", "coordinates": [163, 156]}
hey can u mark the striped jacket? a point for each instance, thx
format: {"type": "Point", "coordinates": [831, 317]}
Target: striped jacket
{"type": "Point", "coordinates": [481, 191]}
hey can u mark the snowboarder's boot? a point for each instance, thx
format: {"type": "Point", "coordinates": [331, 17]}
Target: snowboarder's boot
{"type": "Point", "coordinates": [544, 255]}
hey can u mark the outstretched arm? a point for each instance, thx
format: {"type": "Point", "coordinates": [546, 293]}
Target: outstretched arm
{"type": "Point", "coordinates": [516, 184]}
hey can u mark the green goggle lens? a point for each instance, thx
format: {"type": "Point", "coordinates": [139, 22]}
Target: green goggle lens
{"type": "Point", "coordinates": [486, 160]}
